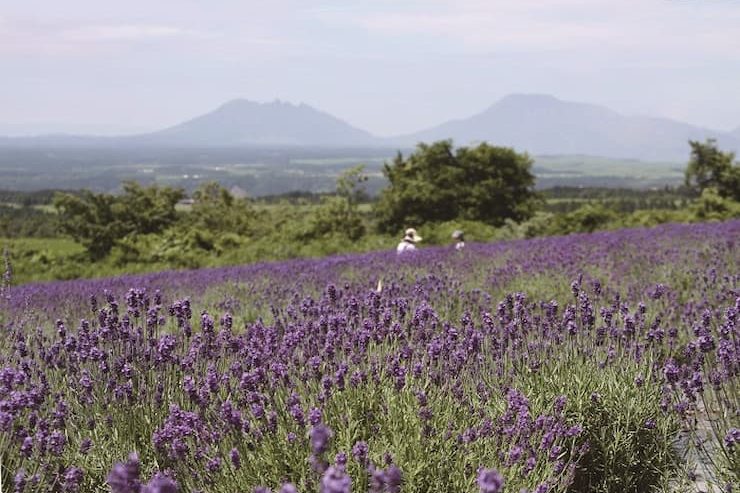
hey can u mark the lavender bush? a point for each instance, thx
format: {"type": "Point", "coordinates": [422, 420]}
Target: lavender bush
{"type": "Point", "coordinates": [603, 362]}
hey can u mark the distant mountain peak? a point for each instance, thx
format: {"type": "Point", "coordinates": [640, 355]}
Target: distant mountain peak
{"type": "Point", "coordinates": [241, 122]}
{"type": "Point", "coordinates": [543, 124]}
{"type": "Point", "coordinates": [530, 97]}
{"type": "Point", "coordinates": [541, 102]}
{"type": "Point", "coordinates": [540, 124]}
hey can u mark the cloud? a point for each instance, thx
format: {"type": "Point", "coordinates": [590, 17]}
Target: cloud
{"type": "Point", "coordinates": [125, 32]}
{"type": "Point", "coordinates": [533, 25]}
{"type": "Point", "coordinates": [27, 37]}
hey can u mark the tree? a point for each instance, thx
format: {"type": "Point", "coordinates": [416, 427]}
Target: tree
{"type": "Point", "coordinates": [217, 211]}
{"type": "Point", "coordinates": [98, 221]}
{"type": "Point", "coordinates": [710, 167]}
{"type": "Point", "coordinates": [437, 183]}
{"type": "Point", "coordinates": [340, 213]}
{"type": "Point", "coordinates": [89, 219]}
{"type": "Point", "coordinates": [147, 209]}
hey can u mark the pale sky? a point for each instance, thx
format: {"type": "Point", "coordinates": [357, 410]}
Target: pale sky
{"type": "Point", "coordinates": [387, 66]}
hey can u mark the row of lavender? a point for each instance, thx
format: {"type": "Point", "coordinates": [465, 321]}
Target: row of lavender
{"type": "Point", "coordinates": [583, 363]}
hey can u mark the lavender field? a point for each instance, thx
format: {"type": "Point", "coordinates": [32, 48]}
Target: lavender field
{"type": "Point", "coordinates": [607, 362]}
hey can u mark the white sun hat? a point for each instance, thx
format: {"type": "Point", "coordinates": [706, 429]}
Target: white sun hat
{"type": "Point", "coordinates": [412, 236]}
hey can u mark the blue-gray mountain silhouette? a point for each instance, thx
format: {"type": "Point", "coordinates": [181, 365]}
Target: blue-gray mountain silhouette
{"type": "Point", "coordinates": [538, 124]}
{"type": "Point", "coordinates": [243, 122]}
{"type": "Point", "coordinates": [543, 124]}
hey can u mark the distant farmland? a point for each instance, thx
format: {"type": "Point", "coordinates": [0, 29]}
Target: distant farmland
{"type": "Point", "coordinates": [269, 171]}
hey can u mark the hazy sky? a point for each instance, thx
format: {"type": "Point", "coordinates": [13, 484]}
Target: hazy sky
{"type": "Point", "coordinates": [388, 66]}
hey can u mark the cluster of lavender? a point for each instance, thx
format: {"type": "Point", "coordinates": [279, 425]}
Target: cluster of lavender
{"type": "Point", "coordinates": [301, 376]}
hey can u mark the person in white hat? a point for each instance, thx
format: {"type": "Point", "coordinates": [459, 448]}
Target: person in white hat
{"type": "Point", "coordinates": [459, 238]}
{"type": "Point", "coordinates": [409, 241]}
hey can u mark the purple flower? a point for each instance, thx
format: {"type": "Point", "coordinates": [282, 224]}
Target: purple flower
{"type": "Point", "coordinates": [335, 480]}
{"type": "Point", "coordinates": [574, 431]}
{"type": "Point", "coordinates": [360, 451]}
{"type": "Point", "coordinates": [124, 478]}
{"type": "Point", "coordinates": [732, 438]}
{"type": "Point", "coordinates": [20, 481]}
{"type": "Point", "coordinates": [160, 484]}
{"type": "Point", "coordinates": [490, 481]}
{"type": "Point", "coordinates": [57, 441]}
{"type": "Point", "coordinates": [314, 416]}
{"type": "Point", "coordinates": [288, 488]}
{"type": "Point", "coordinates": [320, 436]}
{"type": "Point", "coordinates": [214, 465]}
{"type": "Point", "coordinates": [85, 446]}
{"type": "Point", "coordinates": [671, 371]}
{"type": "Point", "coordinates": [236, 459]}
{"type": "Point", "coordinates": [72, 478]}
{"type": "Point", "coordinates": [27, 447]}
{"type": "Point", "coordinates": [393, 479]}
{"type": "Point", "coordinates": [515, 454]}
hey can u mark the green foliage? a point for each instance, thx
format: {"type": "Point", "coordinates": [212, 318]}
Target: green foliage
{"type": "Point", "coordinates": [436, 183]}
{"type": "Point", "coordinates": [710, 167]}
{"type": "Point", "coordinates": [339, 214]}
{"type": "Point", "coordinates": [441, 233]}
{"type": "Point", "coordinates": [630, 446]}
{"type": "Point", "coordinates": [98, 221]}
{"type": "Point", "coordinates": [217, 211]}
{"type": "Point", "coordinates": [144, 210]}
{"type": "Point", "coordinates": [587, 219]}
{"type": "Point", "coordinates": [45, 258]}
{"type": "Point", "coordinates": [26, 221]}
{"type": "Point", "coordinates": [89, 219]}
{"type": "Point", "coordinates": [713, 206]}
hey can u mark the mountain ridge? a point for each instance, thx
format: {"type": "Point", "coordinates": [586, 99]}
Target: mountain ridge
{"type": "Point", "coordinates": [245, 122]}
{"type": "Point", "coordinates": [536, 123]}
{"type": "Point", "coordinates": [544, 124]}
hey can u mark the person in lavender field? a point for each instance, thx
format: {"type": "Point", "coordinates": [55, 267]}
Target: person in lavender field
{"type": "Point", "coordinates": [459, 238]}
{"type": "Point", "coordinates": [409, 241]}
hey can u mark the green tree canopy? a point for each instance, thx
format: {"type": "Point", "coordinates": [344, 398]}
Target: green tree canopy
{"type": "Point", "coordinates": [217, 211]}
{"type": "Point", "coordinates": [438, 183]}
{"type": "Point", "coordinates": [98, 221]}
{"type": "Point", "coordinates": [711, 167]}
{"type": "Point", "coordinates": [340, 214]}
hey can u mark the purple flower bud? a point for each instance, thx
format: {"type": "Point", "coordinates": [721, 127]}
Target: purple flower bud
{"type": "Point", "coordinates": [160, 484]}
{"type": "Point", "coordinates": [85, 446]}
{"type": "Point", "coordinates": [236, 459]}
{"type": "Point", "coordinates": [124, 478]}
{"type": "Point", "coordinates": [320, 436]}
{"type": "Point", "coordinates": [72, 479]}
{"type": "Point", "coordinates": [732, 438]}
{"type": "Point", "coordinates": [360, 451]}
{"type": "Point", "coordinates": [393, 479]}
{"type": "Point", "coordinates": [490, 481]}
{"type": "Point", "coordinates": [335, 480]}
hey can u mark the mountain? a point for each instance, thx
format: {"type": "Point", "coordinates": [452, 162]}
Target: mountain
{"type": "Point", "coordinates": [237, 123]}
{"type": "Point", "coordinates": [245, 123]}
{"type": "Point", "coordinates": [538, 124]}
{"type": "Point", "coordinates": [543, 124]}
